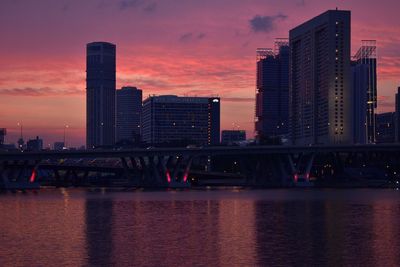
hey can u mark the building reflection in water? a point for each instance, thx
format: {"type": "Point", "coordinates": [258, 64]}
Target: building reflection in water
{"type": "Point", "coordinates": [165, 233]}
{"type": "Point", "coordinates": [237, 236]}
{"type": "Point", "coordinates": [249, 228]}
{"type": "Point", "coordinates": [41, 230]}
{"type": "Point", "coordinates": [99, 230]}
{"type": "Point", "coordinates": [386, 233]}
{"type": "Point", "coordinates": [327, 232]}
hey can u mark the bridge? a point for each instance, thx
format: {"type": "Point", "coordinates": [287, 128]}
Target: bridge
{"type": "Point", "coordinates": [170, 167]}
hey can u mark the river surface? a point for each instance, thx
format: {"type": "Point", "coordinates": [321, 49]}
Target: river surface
{"type": "Point", "coordinates": [230, 227]}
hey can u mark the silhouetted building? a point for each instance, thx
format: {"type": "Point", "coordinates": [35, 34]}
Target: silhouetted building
{"type": "Point", "coordinates": [229, 137]}
{"type": "Point", "coordinates": [360, 83]}
{"type": "Point", "coordinates": [59, 145]}
{"type": "Point", "coordinates": [100, 94]}
{"type": "Point", "coordinates": [34, 144]}
{"type": "Point", "coordinates": [3, 132]}
{"type": "Point", "coordinates": [272, 94]}
{"type": "Point", "coordinates": [385, 127]}
{"type": "Point", "coordinates": [181, 120]}
{"type": "Point", "coordinates": [397, 117]}
{"type": "Point", "coordinates": [320, 91]}
{"type": "Point", "coordinates": [365, 92]}
{"type": "Point", "coordinates": [129, 114]}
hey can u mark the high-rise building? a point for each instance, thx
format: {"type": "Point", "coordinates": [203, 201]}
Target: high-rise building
{"type": "Point", "coordinates": [385, 127]}
{"type": "Point", "coordinates": [229, 137]}
{"type": "Point", "coordinates": [272, 92]}
{"type": "Point", "coordinates": [129, 114]}
{"type": "Point", "coordinates": [365, 92]}
{"type": "Point", "coordinates": [172, 119]}
{"type": "Point", "coordinates": [320, 91]}
{"type": "Point", "coordinates": [360, 83]}
{"type": "Point", "coordinates": [100, 94]}
{"type": "Point", "coordinates": [397, 117]}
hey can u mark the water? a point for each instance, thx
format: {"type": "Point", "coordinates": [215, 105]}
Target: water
{"type": "Point", "coordinates": [229, 227]}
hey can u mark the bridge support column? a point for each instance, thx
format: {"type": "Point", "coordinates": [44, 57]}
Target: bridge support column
{"type": "Point", "coordinates": [126, 168]}
{"type": "Point", "coordinates": [3, 177]}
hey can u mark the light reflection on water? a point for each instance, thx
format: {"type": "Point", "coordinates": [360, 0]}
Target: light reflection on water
{"type": "Point", "coordinates": [70, 227]}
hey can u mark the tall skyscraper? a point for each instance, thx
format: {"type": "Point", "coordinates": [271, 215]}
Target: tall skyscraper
{"type": "Point", "coordinates": [320, 91]}
{"type": "Point", "coordinates": [397, 117]}
{"type": "Point", "coordinates": [360, 83]}
{"type": "Point", "coordinates": [100, 94]}
{"type": "Point", "coordinates": [173, 119]}
{"type": "Point", "coordinates": [272, 93]}
{"type": "Point", "coordinates": [129, 114]}
{"type": "Point", "coordinates": [365, 92]}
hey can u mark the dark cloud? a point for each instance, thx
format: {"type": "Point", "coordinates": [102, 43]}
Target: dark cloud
{"type": "Point", "coordinates": [125, 4]}
{"type": "Point", "coordinates": [201, 35]}
{"type": "Point", "coordinates": [65, 7]}
{"type": "Point", "coordinates": [190, 36]}
{"type": "Point", "coordinates": [301, 2]}
{"type": "Point", "coordinates": [186, 37]}
{"type": "Point", "coordinates": [150, 7]}
{"type": "Point", "coordinates": [137, 4]}
{"type": "Point", "coordinates": [39, 91]}
{"type": "Point", "coordinates": [265, 23]}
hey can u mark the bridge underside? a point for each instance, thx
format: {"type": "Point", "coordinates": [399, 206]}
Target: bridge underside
{"type": "Point", "coordinates": [267, 169]}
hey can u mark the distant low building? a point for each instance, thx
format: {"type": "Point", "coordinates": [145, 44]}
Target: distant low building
{"type": "Point", "coordinates": [59, 145]}
{"type": "Point", "coordinates": [229, 137]}
{"type": "Point", "coordinates": [385, 127]}
{"type": "Point", "coordinates": [8, 147]}
{"type": "Point", "coordinates": [3, 132]}
{"type": "Point", "coordinates": [35, 144]}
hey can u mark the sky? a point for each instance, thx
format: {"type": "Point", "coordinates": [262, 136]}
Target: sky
{"type": "Point", "coordinates": [183, 47]}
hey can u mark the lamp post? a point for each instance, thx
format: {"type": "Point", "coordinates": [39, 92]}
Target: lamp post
{"type": "Point", "coordinates": [65, 129]}
{"type": "Point", "coordinates": [21, 139]}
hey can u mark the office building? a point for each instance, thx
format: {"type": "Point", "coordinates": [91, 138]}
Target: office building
{"type": "Point", "coordinates": [272, 93]}
{"type": "Point", "coordinates": [229, 137]}
{"type": "Point", "coordinates": [34, 144]}
{"type": "Point", "coordinates": [365, 92]}
{"type": "Point", "coordinates": [385, 127]}
{"type": "Point", "coordinates": [129, 114]}
{"type": "Point", "coordinates": [3, 132]}
{"type": "Point", "coordinates": [320, 91]}
{"type": "Point", "coordinates": [360, 83]}
{"type": "Point", "coordinates": [100, 94]}
{"type": "Point", "coordinates": [397, 117]}
{"type": "Point", "coordinates": [170, 119]}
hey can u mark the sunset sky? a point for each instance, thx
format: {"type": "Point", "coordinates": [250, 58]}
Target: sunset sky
{"type": "Point", "coordinates": [183, 47]}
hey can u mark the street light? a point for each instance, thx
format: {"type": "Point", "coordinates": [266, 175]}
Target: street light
{"type": "Point", "coordinates": [65, 128]}
{"type": "Point", "coordinates": [21, 139]}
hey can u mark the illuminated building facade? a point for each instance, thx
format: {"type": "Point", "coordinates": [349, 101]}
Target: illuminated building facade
{"type": "Point", "coordinates": [320, 91]}
{"type": "Point", "coordinates": [173, 119]}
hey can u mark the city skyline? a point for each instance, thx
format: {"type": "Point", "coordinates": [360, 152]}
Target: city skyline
{"type": "Point", "coordinates": [203, 52]}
